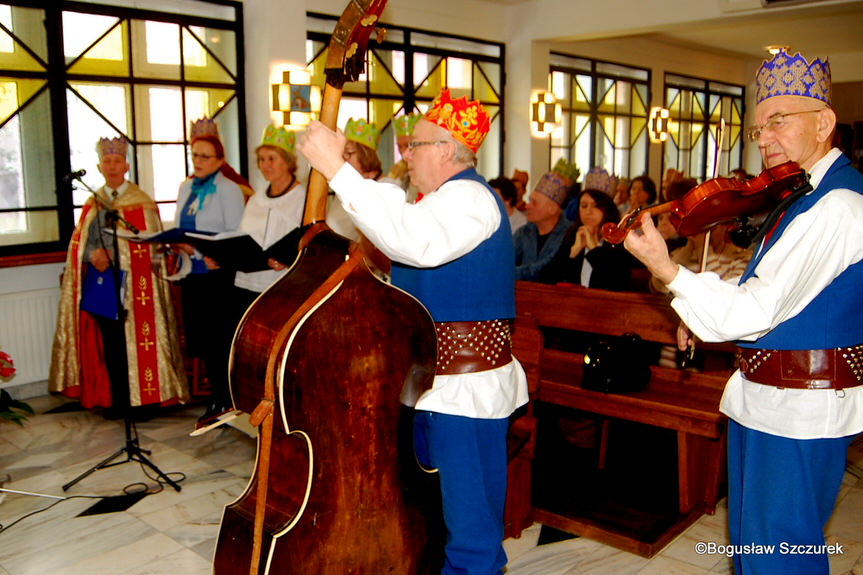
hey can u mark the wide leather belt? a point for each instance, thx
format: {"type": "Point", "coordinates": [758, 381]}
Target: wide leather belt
{"type": "Point", "coordinates": [838, 368]}
{"type": "Point", "coordinates": [472, 346]}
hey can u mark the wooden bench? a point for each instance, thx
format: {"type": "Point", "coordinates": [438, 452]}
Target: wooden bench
{"type": "Point", "coordinates": [683, 401]}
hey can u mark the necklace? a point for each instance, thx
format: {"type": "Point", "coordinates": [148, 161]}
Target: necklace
{"type": "Point", "coordinates": [270, 193]}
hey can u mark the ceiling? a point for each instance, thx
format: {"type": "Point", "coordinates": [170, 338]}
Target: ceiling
{"type": "Point", "coordinates": [823, 27]}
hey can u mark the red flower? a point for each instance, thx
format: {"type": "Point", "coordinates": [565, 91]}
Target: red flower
{"type": "Point", "coordinates": [7, 366]}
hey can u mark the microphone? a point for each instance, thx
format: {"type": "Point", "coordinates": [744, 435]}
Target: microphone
{"type": "Point", "coordinates": [73, 176]}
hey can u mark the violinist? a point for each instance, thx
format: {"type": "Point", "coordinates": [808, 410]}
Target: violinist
{"type": "Point", "coordinates": [453, 251]}
{"type": "Point", "coordinates": [796, 306]}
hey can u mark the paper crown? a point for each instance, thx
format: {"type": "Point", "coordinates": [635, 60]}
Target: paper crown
{"type": "Point", "coordinates": [405, 124]}
{"type": "Point", "coordinates": [567, 169]}
{"type": "Point", "coordinates": [554, 187]}
{"type": "Point", "coordinates": [786, 75]}
{"type": "Point", "coordinates": [362, 132]}
{"type": "Point", "coordinates": [599, 179]}
{"type": "Point", "coordinates": [279, 138]}
{"type": "Point", "coordinates": [468, 122]}
{"type": "Point", "coordinates": [204, 127]}
{"type": "Point", "coordinates": [117, 146]}
{"type": "Point", "coordinates": [521, 176]}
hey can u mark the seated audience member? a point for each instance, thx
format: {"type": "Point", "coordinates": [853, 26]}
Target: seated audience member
{"type": "Point", "coordinates": [585, 258]}
{"type": "Point", "coordinates": [361, 152]}
{"type": "Point", "coordinates": [671, 176]}
{"type": "Point", "coordinates": [642, 193]}
{"type": "Point", "coordinates": [675, 191]}
{"type": "Point", "coordinates": [596, 179]}
{"type": "Point", "coordinates": [404, 127]}
{"type": "Point", "coordinates": [723, 257]}
{"type": "Point", "coordinates": [520, 179]}
{"type": "Point", "coordinates": [507, 192]}
{"type": "Point", "coordinates": [537, 241]}
{"type": "Point", "coordinates": [621, 195]}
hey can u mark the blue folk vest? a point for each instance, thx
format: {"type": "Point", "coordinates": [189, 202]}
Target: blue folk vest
{"type": "Point", "coordinates": [478, 286]}
{"type": "Point", "coordinates": [835, 317]}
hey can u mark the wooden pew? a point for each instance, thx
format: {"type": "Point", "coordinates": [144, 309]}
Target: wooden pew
{"type": "Point", "coordinates": [680, 400]}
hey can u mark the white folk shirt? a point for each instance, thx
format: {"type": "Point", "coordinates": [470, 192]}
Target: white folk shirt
{"type": "Point", "coordinates": [812, 251]}
{"type": "Point", "coordinates": [445, 225]}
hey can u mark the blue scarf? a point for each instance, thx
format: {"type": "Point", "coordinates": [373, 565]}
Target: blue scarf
{"type": "Point", "coordinates": [201, 189]}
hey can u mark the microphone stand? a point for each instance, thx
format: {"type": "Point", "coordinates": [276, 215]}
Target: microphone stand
{"type": "Point", "coordinates": [132, 447]}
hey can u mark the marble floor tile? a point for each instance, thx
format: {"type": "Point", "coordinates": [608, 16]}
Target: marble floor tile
{"type": "Point", "coordinates": [169, 531]}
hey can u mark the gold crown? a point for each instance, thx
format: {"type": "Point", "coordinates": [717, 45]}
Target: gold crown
{"type": "Point", "coordinates": [468, 122]}
{"type": "Point", "coordinates": [117, 146]}
{"type": "Point", "coordinates": [204, 127]}
{"type": "Point", "coordinates": [363, 132]}
{"type": "Point", "coordinates": [405, 124]}
{"type": "Point", "coordinates": [786, 75]}
{"type": "Point", "coordinates": [280, 138]}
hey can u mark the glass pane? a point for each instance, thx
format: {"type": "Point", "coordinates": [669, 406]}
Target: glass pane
{"type": "Point", "coordinates": [111, 100]}
{"type": "Point", "coordinates": [14, 93]}
{"type": "Point", "coordinates": [491, 74]}
{"type": "Point", "coordinates": [488, 156]}
{"type": "Point", "coordinates": [428, 75]}
{"type": "Point", "coordinates": [162, 170]}
{"type": "Point", "coordinates": [109, 56]}
{"type": "Point", "coordinates": [606, 90]}
{"type": "Point", "coordinates": [206, 102]}
{"type": "Point", "coordinates": [200, 65]}
{"type": "Point", "coordinates": [380, 80]}
{"type": "Point", "coordinates": [639, 100]}
{"type": "Point", "coordinates": [582, 92]}
{"type": "Point", "coordinates": [165, 111]}
{"type": "Point", "coordinates": [28, 24]}
{"type": "Point", "coordinates": [483, 88]}
{"type": "Point", "coordinates": [86, 127]}
{"type": "Point", "coordinates": [459, 74]}
{"type": "Point", "coordinates": [81, 31]}
{"type": "Point", "coordinates": [157, 49]}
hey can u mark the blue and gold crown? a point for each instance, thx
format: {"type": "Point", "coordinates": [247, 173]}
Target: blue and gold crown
{"type": "Point", "coordinates": [280, 138]}
{"type": "Point", "coordinates": [599, 179]}
{"type": "Point", "coordinates": [554, 186]}
{"type": "Point", "coordinates": [405, 124]}
{"type": "Point", "coordinates": [363, 132]}
{"type": "Point", "coordinates": [204, 127]}
{"type": "Point", "coordinates": [118, 145]}
{"type": "Point", "coordinates": [786, 75]}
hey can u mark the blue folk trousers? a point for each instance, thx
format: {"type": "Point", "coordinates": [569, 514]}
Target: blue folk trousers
{"type": "Point", "coordinates": [470, 455]}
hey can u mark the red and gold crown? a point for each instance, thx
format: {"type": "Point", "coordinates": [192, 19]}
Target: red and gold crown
{"type": "Point", "coordinates": [363, 132]}
{"type": "Point", "coordinates": [786, 75]}
{"type": "Point", "coordinates": [204, 127]}
{"type": "Point", "coordinates": [118, 145]}
{"type": "Point", "coordinates": [468, 122]}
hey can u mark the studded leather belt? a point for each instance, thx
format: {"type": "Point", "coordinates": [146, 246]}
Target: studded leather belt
{"type": "Point", "coordinates": [472, 346]}
{"type": "Point", "coordinates": [838, 368]}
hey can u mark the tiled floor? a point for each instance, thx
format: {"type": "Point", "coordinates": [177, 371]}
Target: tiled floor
{"type": "Point", "coordinates": [174, 532]}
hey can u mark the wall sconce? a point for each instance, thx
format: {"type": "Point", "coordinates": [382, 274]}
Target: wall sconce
{"type": "Point", "coordinates": [657, 125]}
{"type": "Point", "coordinates": [296, 98]}
{"type": "Point", "coordinates": [544, 113]}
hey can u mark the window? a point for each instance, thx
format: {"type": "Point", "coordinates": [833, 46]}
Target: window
{"type": "Point", "coordinates": [404, 74]}
{"type": "Point", "coordinates": [605, 108]}
{"type": "Point", "coordinates": [697, 106]}
{"type": "Point", "coordinates": [140, 74]}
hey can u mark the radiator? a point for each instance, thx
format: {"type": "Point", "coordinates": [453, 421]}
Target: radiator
{"type": "Point", "coordinates": [27, 322]}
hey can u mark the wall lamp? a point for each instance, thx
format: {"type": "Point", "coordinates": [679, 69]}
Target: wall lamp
{"type": "Point", "coordinates": [657, 125]}
{"type": "Point", "coordinates": [544, 113]}
{"type": "Point", "coordinates": [296, 98]}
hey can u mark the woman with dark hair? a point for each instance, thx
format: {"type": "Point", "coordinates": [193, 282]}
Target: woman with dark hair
{"type": "Point", "coordinates": [585, 258]}
{"type": "Point", "coordinates": [211, 200]}
{"type": "Point", "coordinates": [642, 193]}
{"type": "Point", "coordinates": [505, 188]}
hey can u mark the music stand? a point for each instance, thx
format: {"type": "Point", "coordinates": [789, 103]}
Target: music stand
{"type": "Point", "coordinates": [132, 447]}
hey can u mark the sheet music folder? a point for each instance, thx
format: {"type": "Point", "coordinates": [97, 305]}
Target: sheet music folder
{"type": "Point", "coordinates": [233, 250]}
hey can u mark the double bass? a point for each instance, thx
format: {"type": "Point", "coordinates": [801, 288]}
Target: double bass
{"type": "Point", "coordinates": [319, 362]}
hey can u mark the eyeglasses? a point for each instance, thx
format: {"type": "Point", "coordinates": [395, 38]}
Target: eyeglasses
{"type": "Point", "coordinates": [414, 144]}
{"type": "Point", "coordinates": [774, 124]}
{"type": "Point", "coordinates": [202, 156]}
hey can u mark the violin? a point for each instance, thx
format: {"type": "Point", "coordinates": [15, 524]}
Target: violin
{"type": "Point", "coordinates": [716, 201]}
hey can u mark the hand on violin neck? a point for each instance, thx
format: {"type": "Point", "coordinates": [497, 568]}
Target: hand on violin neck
{"type": "Point", "coordinates": [323, 148]}
{"type": "Point", "coordinates": [648, 245]}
